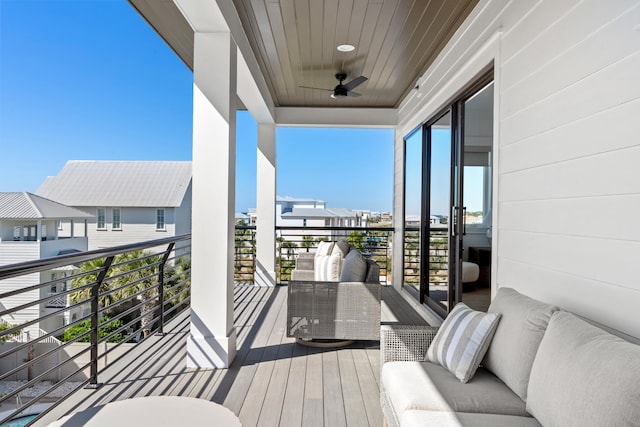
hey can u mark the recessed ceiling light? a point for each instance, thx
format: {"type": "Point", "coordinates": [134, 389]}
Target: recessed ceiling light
{"type": "Point", "coordinates": [346, 48]}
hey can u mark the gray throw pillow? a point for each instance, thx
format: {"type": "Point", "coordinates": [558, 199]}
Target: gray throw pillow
{"type": "Point", "coordinates": [354, 267]}
{"type": "Point", "coordinates": [344, 246]}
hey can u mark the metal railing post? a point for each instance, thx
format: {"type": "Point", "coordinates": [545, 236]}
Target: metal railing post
{"type": "Point", "coordinates": [95, 323]}
{"type": "Point", "coordinates": [161, 287]}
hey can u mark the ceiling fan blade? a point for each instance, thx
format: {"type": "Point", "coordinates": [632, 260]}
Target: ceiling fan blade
{"type": "Point", "coordinates": [354, 94]}
{"type": "Point", "coordinates": [316, 88]}
{"type": "Point", "coordinates": [355, 82]}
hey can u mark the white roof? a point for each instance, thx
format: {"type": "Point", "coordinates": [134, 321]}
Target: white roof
{"type": "Point", "coordinates": [298, 200]}
{"type": "Point", "coordinates": [22, 205]}
{"type": "Point", "coordinates": [319, 213]}
{"type": "Point", "coordinates": [119, 183]}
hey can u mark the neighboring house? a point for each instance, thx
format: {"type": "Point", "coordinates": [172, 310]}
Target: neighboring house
{"type": "Point", "coordinates": [294, 212]}
{"type": "Point", "coordinates": [29, 231]}
{"type": "Point", "coordinates": [131, 201]}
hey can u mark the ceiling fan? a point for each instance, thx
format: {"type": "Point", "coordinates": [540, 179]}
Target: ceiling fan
{"type": "Point", "coordinates": [343, 90]}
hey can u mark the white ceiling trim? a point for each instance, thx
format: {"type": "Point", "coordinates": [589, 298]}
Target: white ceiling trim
{"type": "Point", "coordinates": [337, 117]}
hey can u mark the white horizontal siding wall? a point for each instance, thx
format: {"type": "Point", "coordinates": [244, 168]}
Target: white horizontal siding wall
{"type": "Point", "coordinates": [138, 225]}
{"type": "Point", "coordinates": [567, 131]}
{"type": "Point", "coordinates": [11, 253]}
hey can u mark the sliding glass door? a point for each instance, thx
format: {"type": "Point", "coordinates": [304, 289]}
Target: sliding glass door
{"type": "Point", "coordinates": [435, 181]}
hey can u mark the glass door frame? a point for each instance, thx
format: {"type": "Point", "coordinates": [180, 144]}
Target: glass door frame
{"type": "Point", "coordinates": [456, 221]}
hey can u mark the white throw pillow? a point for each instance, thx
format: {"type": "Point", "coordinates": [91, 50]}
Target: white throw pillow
{"type": "Point", "coordinates": [327, 268]}
{"type": "Point", "coordinates": [324, 248]}
{"type": "Point", "coordinates": [462, 341]}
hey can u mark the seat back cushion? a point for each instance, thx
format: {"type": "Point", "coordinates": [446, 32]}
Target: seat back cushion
{"type": "Point", "coordinates": [517, 337]}
{"type": "Point", "coordinates": [354, 267]}
{"type": "Point", "coordinates": [342, 246]}
{"type": "Point", "coordinates": [584, 376]}
{"type": "Point", "coordinates": [327, 268]}
{"type": "Point", "coordinates": [462, 341]}
{"type": "Point", "coordinates": [373, 272]}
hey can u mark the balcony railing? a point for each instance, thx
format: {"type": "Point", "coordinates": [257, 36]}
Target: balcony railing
{"type": "Point", "coordinates": [374, 242]}
{"type": "Point", "coordinates": [438, 261]}
{"type": "Point", "coordinates": [118, 296]}
{"type": "Point", "coordinates": [245, 253]}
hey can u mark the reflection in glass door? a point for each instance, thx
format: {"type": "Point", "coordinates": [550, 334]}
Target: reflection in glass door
{"type": "Point", "coordinates": [412, 209]}
{"type": "Point", "coordinates": [439, 188]}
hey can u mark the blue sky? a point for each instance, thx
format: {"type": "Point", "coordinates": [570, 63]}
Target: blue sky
{"type": "Point", "coordinates": [89, 79]}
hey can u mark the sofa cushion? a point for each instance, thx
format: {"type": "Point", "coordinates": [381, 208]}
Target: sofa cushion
{"type": "Point", "coordinates": [324, 248]}
{"type": "Point", "coordinates": [327, 268]}
{"type": "Point", "coordinates": [373, 272]}
{"type": "Point", "coordinates": [354, 267]}
{"type": "Point", "coordinates": [420, 418]}
{"type": "Point", "coordinates": [462, 340]}
{"type": "Point", "coordinates": [584, 376]}
{"type": "Point", "coordinates": [342, 246]}
{"type": "Point", "coordinates": [425, 385]}
{"type": "Point", "coordinates": [517, 337]}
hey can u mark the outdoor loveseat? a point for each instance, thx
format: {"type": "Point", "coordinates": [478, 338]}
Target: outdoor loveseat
{"type": "Point", "coordinates": [543, 366]}
{"type": "Point", "coordinates": [334, 293]}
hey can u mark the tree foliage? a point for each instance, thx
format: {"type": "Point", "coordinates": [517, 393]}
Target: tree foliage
{"type": "Point", "coordinates": [106, 327]}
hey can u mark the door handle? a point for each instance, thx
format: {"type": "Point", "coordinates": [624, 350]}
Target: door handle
{"type": "Point", "coordinates": [464, 221]}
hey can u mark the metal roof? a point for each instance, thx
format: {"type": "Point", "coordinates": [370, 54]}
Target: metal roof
{"type": "Point", "coordinates": [22, 205]}
{"type": "Point", "coordinates": [319, 213]}
{"type": "Point", "coordinates": [119, 183]}
{"type": "Point", "coordinates": [295, 199]}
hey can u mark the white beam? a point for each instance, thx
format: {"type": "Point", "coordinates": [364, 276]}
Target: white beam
{"type": "Point", "coordinates": [337, 117]}
{"type": "Point", "coordinates": [212, 341]}
{"type": "Point", "coordinates": [265, 274]}
{"type": "Point", "coordinates": [203, 16]}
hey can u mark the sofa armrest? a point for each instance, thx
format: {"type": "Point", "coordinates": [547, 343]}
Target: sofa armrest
{"type": "Point", "coordinates": [405, 342]}
{"type": "Point", "coordinates": [305, 261]}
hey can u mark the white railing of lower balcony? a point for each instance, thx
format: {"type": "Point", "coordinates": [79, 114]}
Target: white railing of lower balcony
{"type": "Point", "coordinates": [117, 297]}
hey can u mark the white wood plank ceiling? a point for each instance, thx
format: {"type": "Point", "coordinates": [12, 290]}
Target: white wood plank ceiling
{"type": "Point", "coordinates": [295, 44]}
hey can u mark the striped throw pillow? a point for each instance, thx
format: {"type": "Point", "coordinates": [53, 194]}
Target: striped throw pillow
{"type": "Point", "coordinates": [462, 341]}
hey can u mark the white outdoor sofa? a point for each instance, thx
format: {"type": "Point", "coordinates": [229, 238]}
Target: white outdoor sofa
{"type": "Point", "coordinates": [544, 366]}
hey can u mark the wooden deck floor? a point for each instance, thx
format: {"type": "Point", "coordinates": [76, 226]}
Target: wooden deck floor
{"type": "Point", "coordinates": [272, 382]}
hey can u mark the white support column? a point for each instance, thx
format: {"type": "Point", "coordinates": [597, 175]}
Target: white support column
{"type": "Point", "coordinates": [212, 341]}
{"type": "Point", "coordinates": [265, 274]}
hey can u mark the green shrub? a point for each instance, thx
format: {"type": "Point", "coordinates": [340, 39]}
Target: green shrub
{"type": "Point", "coordinates": [105, 329]}
{"type": "Point", "coordinates": [3, 327]}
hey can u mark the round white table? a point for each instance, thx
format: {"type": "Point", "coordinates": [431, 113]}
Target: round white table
{"type": "Point", "coordinates": [153, 411]}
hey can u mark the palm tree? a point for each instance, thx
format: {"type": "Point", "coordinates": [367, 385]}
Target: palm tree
{"type": "Point", "coordinates": [307, 242]}
{"type": "Point", "coordinates": [137, 267]}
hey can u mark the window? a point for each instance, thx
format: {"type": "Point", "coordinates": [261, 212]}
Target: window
{"type": "Point", "coordinates": [59, 224]}
{"type": "Point", "coordinates": [160, 225]}
{"type": "Point", "coordinates": [115, 219]}
{"type": "Point", "coordinates": [102, 219]}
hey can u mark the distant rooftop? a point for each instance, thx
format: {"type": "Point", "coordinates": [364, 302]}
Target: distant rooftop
{"type": "Point", "coordinates": [119, 183]}
{"type": "Point", "coordinates": [319, 213]}
{"type": "Point", "coordinates": [294, 199]}
{"type": "Point", "coordinates": [22, 205]}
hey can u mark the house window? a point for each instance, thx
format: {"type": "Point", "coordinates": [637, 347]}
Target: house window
{"type": "Point", "coordinates": [102, 219]}
{"type": "Point", "coordinates": [160, 225]}
{"type": "Point", "coordinates": [304, 222]}
{"type": "Point", "coordinates": [115, 219]}
{"type": "Point", "coordinates": [59, 224]}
